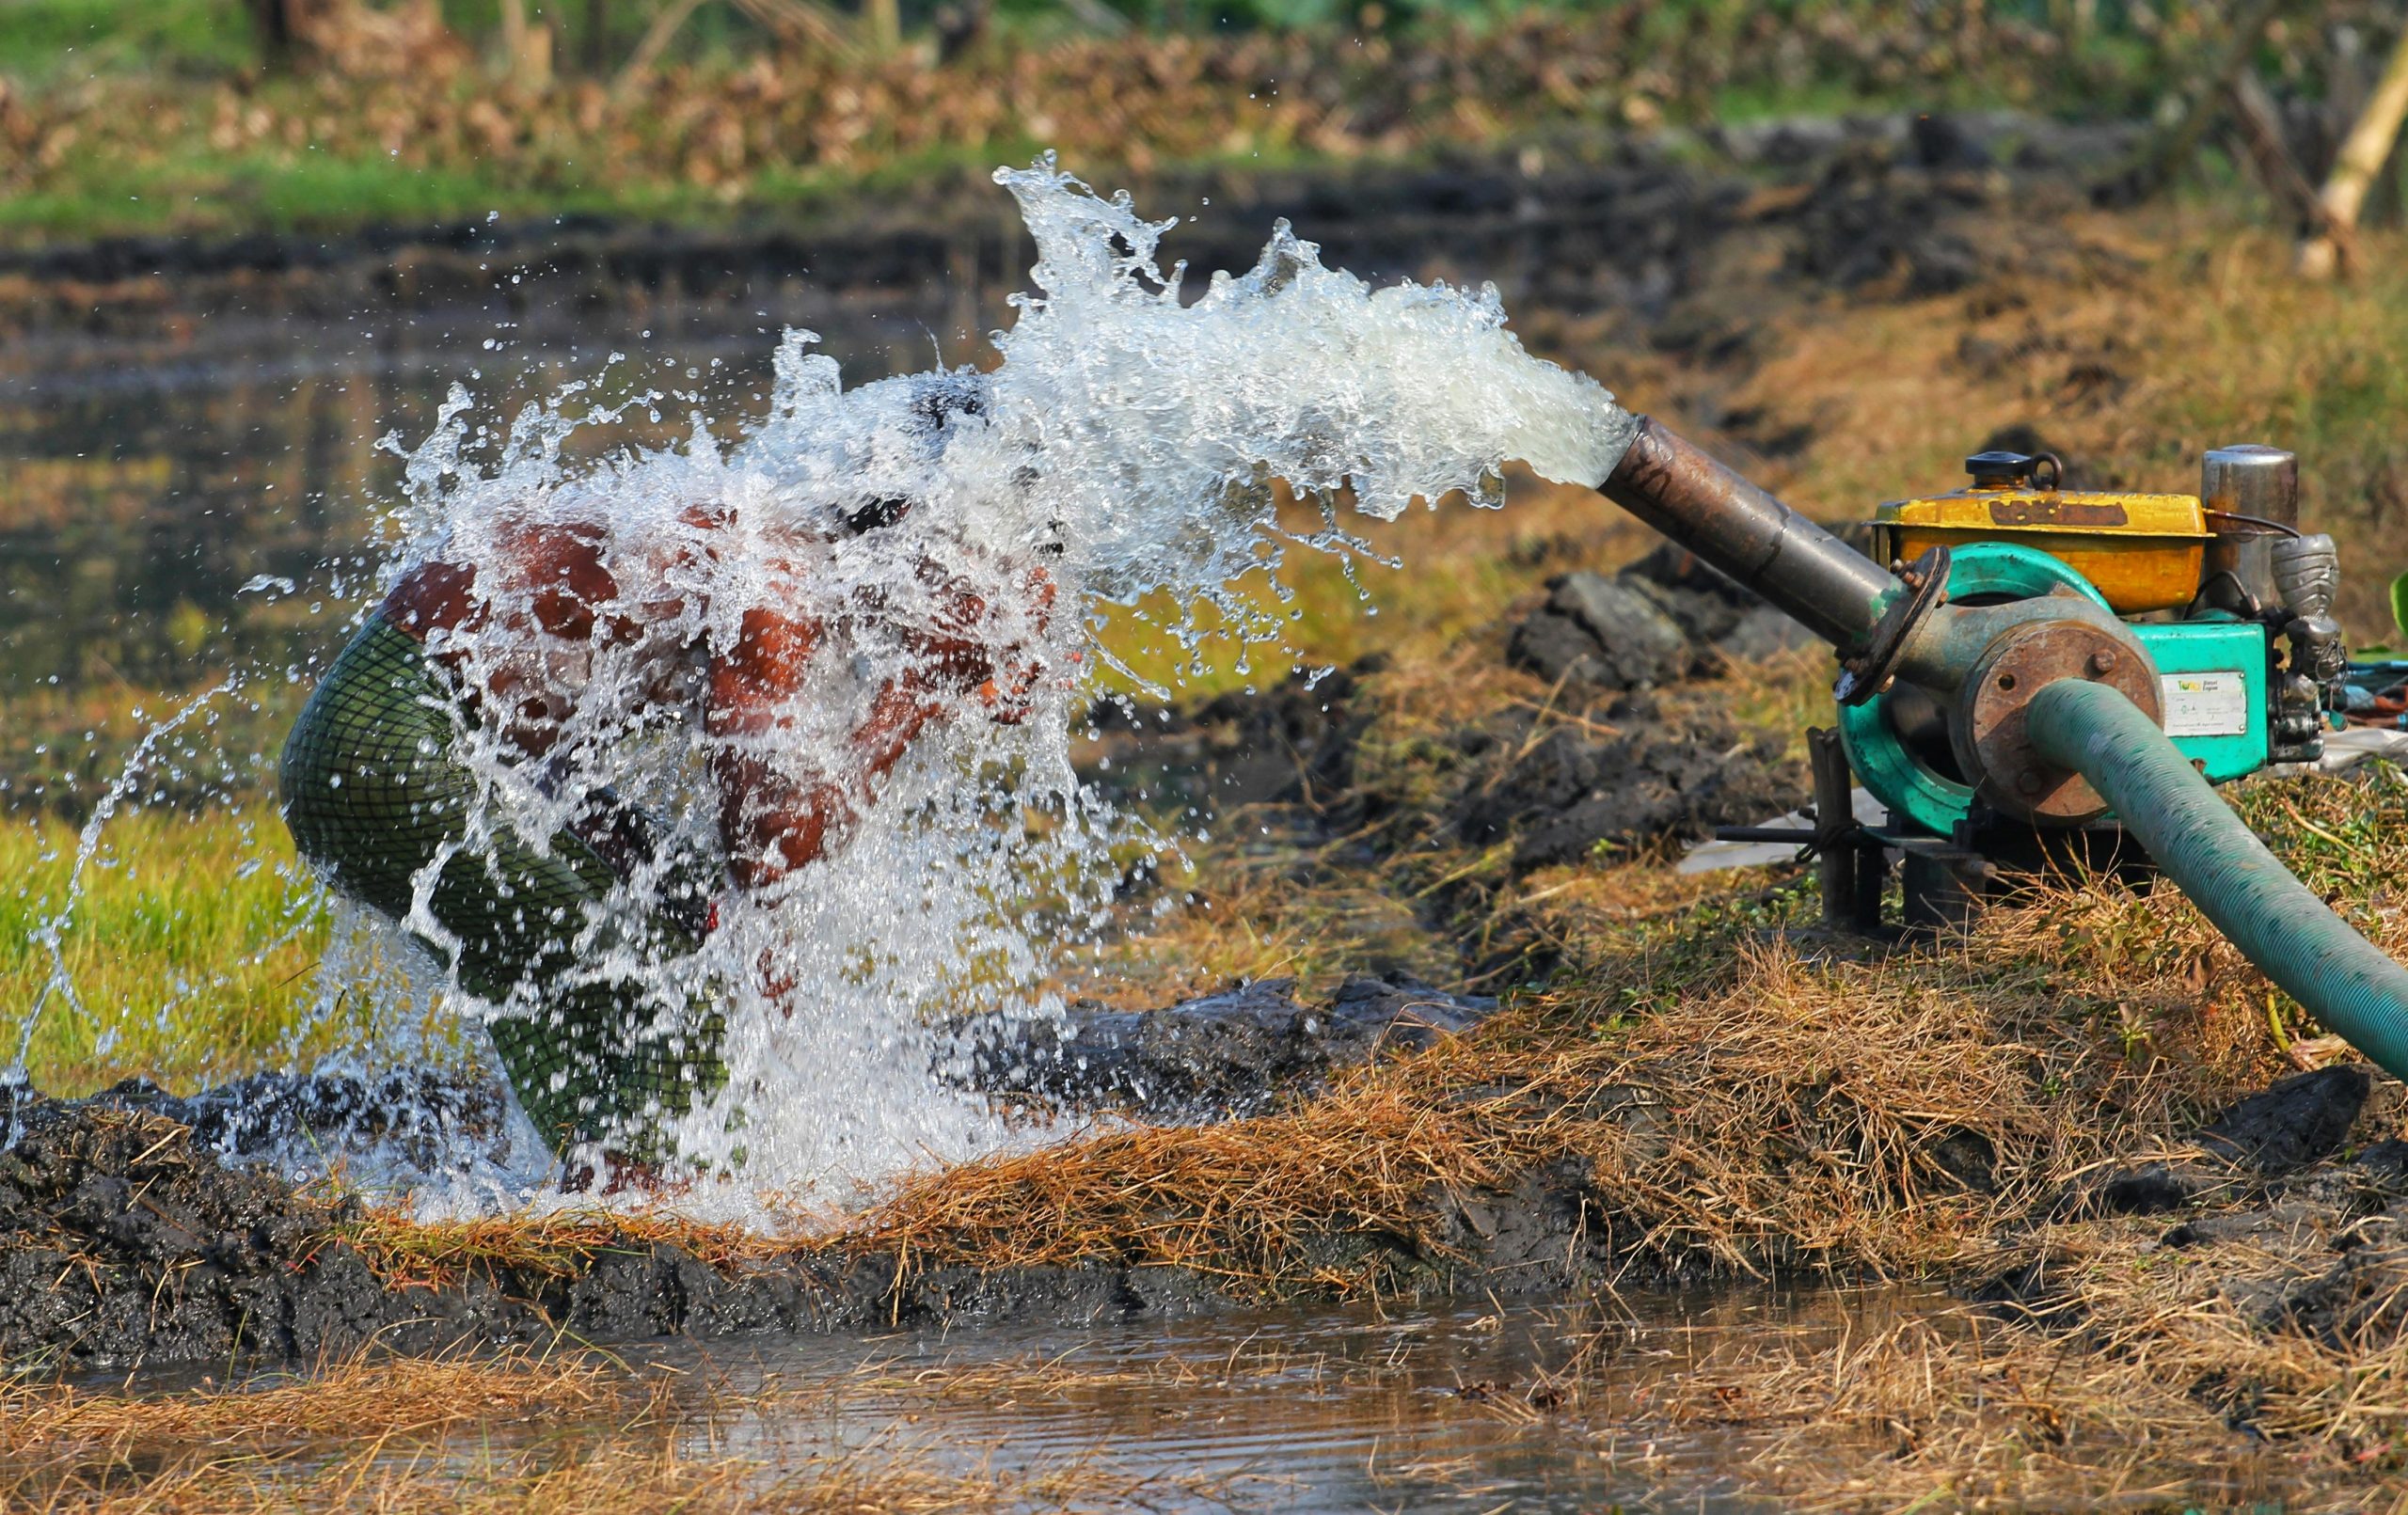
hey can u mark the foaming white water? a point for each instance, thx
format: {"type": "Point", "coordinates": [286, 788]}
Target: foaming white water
{"type": "Point", "coordinates": [1125, 446]}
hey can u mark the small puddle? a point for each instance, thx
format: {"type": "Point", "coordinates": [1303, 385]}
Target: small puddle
{"type": "Point", "coordinates": [1476, 1407]}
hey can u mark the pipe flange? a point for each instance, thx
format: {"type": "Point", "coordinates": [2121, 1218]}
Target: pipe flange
{"type": "Point", "coordinates": [1870, 672]}
{"type": "Point", "coordinates": [1993, 744]}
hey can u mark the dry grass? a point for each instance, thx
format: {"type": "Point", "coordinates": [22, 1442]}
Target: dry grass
{"type": "Point", "coordinates": [397, 1397]}
{"type": "Point", "coordinates": [1743, 1108]}
{"type": "Point", "coordinates": [603, 1477]}
{"type": "Point", "coordinates": [1787, 1117]}
{"type": "Point", "coordinates": [547, 1435]}
{"type": "Point", "coordinates": [408, 1252]}
{"type": "Point", "coordinates": [1246, 1366]}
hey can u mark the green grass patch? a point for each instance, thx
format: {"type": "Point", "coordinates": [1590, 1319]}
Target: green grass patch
{"type": "Point", "coordinates": [189, 955]}
{"type": "Point", "coordinates": [42, 39]}
{"type": "Point", "coordinates": [201, 191]}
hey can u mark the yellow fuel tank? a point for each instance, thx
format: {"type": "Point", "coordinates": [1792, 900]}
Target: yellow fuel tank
{"type": "Point", "coordinates": [2142, 552]}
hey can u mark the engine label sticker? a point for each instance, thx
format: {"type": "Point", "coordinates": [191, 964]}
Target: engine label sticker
{"type": "Point", "coordinates": [2205, 705]}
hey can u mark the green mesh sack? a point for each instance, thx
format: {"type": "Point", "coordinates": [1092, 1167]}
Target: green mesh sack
{"type": "Point", "coordinates": [373, 794]}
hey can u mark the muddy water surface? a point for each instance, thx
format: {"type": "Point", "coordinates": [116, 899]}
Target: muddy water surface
{"type": "Point", "coordinates": [1471, 1407]}
{"type": "Point", "coordinates": [146, 480]}
{"type": "Point", "coordinates": [177, 420]}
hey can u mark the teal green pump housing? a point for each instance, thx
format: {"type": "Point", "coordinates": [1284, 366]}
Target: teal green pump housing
{"type": "Point", "coordinates": [2032, 659]}
{"type": "Point", "coordinates": [2212, 679]}
{"type": "Point", "coordinates": [2212, 675]}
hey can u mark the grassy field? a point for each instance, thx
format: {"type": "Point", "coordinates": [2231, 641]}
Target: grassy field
{"type": "Point", "coordinates": [124, 116]}
{"type": "Point", "coordinates": [189, 954]}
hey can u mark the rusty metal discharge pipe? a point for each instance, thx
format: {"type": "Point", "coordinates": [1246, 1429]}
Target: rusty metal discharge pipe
{"type": "Point", "coordinates": [2344, 980]}
{"type": "Point", "coordinates": [1809, 574]}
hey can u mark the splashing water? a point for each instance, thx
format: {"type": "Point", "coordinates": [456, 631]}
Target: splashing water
{"type": "Point", "coordinates": [1126, 446]}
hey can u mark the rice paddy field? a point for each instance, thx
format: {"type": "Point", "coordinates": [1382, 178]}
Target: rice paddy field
{"type": "Point", "coordinates": [1705, 1214]}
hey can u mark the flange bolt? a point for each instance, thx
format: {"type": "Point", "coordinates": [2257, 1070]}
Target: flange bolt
{"type": "Point", "coordinates": [2102, 661]}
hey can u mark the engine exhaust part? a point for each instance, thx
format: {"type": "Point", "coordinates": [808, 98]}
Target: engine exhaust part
{"type": "Point", "coordinates": [2250, 493]}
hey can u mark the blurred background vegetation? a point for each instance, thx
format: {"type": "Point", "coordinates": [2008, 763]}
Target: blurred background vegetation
{"type": "Point", "coordinates": [215, 115]}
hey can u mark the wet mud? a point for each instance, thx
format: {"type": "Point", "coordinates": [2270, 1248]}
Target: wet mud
{"type": "Point", "coordinates": [125, 1240]}
{"type": "Point", "coordinates": [142, 1226]}
{"type": "Point", "coordinates": [1223, 1056]}
{"type": "Point", "coordinates": [124, 1243]}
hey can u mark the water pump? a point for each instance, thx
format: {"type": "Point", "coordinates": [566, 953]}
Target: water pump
{"type": "Point", "coordinates": [2038, 670]}
{"type": "Point", "coordinates": [2227, 597]}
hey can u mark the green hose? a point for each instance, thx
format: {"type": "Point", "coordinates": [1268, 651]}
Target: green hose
{"type": "Point", "coordinates": [2342, 978]}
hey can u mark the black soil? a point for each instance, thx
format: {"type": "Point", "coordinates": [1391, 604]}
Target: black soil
{"type": "Point", "coordinates": [1629, 773]}
{"type": "Point", "coordinates": [125, 1241]}
{"type": "Point", "coordinates": [1667, 617]}
{"type": "Point", "coordinates": [2315, 1228]}
{"type": "Point", "coordinates": [1223, 1056]}
{"type": "Point", "coordinates": [1575, 794]}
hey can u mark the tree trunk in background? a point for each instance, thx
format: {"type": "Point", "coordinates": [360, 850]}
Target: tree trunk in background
{"type": "Point", "coordinates": [2171, 147]}
{"type": "Point", "coordinates": [2278, 169]}
{"type": "Point", "coordinates": [656, 38]}
{"type": "Point", "coordinates": [961, 26]}
{"type": "Point", "coordinates": [513, 33]}
{"type": "Point", "coordinates": [2364, 152]}
{"type": "Point", "coordinates": [282, 27]}
{"type": "Point", "coordinates": [885, 18]}
{"type": "Point", "coordinates": [595, 41]}
{"type": "Point", "coordinates": [525, 58]}
{"type": "Point", "coordinates": [808, 24]}
{"type": "Point", "coordinates": [1096, 17]}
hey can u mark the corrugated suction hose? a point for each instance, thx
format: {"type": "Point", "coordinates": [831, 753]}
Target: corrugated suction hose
{"type": "Point", "coordinates": [2344, 980]}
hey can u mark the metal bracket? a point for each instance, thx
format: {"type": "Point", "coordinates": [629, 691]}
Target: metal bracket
{"type": "Point", "coordinates": [1870, 672]}
{"type": "Point", "coordinates": [1851, 865]}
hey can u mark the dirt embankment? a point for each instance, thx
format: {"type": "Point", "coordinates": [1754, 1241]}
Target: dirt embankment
{"type": "Point", "coordinates": [123, 1241]}
{"type": "Point", "coordinates": [138, 1227]}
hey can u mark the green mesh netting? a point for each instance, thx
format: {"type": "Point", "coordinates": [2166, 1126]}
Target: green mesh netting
{"type": "Point", "coordinates": [373, 794]}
